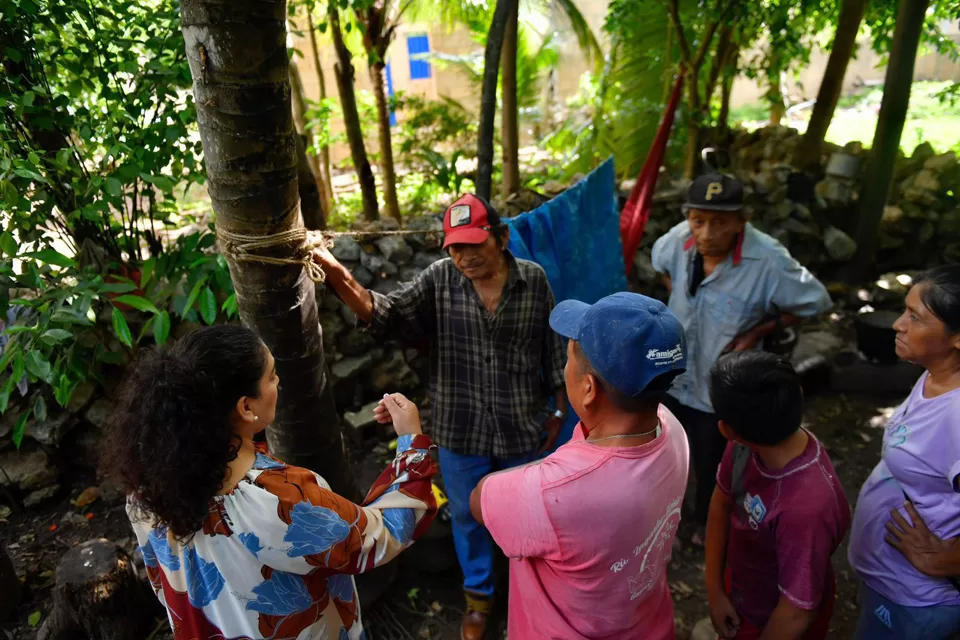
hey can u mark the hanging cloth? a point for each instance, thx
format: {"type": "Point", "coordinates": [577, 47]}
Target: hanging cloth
{"type": "Point", "coordinates": [633, 218]}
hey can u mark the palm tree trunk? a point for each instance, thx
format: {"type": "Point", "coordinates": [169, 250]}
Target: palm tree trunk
{"type": "Point", "coordinates": [510, 116]}
{"type": "Point", "coordinates": [324, 149]}
{"type": "Point", "coordinates": [308, 166]}
{"type": "Point", "coordinates": [351, 118]}
{"type": "Point", "coordinates": [878, 173]}
{"type": "Point", "coordinates": [238, 59]}
{"type": "Point", "coordinates": [386, 145]}
{"type": "Point", "coordinates": [488, 95]}
{"type": "Point", "coordinates": [844, 44]}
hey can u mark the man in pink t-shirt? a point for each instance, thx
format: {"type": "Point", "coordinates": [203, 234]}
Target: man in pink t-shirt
{"type": "Point", "coordinates": [590, 529]}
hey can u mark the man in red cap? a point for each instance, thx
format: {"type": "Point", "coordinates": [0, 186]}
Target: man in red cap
{"type": "Point", "coordinates": [494, 364]}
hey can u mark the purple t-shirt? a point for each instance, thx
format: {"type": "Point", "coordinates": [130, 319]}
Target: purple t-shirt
{"type": "Point", "coordinates": [920, 458]}
{"type": "Point", "coordinates": [795, 519]}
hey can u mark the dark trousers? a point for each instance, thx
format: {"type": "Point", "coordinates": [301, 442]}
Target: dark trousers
{"type": "Point", "coordinates": [706, 449]}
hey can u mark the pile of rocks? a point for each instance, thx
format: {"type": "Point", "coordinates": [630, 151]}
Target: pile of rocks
{"type": "Point", "coordinates": [62, 439]}
{"type": "Point", "coordinates": [815, 216]}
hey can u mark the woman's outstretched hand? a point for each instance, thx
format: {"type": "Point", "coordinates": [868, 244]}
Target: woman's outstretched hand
{"type": "Point", "coordinates": [398, 409]}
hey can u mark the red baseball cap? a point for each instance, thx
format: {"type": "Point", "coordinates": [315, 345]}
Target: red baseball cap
{"type": "Point", "coordinates": [468, 221]}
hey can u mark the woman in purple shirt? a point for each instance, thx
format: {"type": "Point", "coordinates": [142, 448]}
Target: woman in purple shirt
{"type": "Point", "coordinates": [904, 538]}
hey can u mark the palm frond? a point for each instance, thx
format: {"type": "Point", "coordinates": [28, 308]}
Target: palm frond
{"type": "Point", "coordinates": [451, 13]}
{"type": "Point", "coordinates": [626, 106]}
{"type": "Point", "coordinates": [587, 40]}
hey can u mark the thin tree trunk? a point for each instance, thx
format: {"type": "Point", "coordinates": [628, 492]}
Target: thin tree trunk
{"type": "Point", "coordinates": [844, 44]}
{"type": "Point", "coordinates": [238, 58]}
{"type": "Point", "coordinates": [726, 88]}
{"type": "Point", "coordinates": [308, 188]}
{"type": "Point", "coordinates": [351, 118]}
{"type": "Point", "coordinates": [308, 166]}
{"type": "Point", "coordinates": [324, 149]}
{"type": "Point", "coordinates": [510, 116]}
{"type": "Point", "coordinates": [777, 108]}
{"type": "Point", "coordinates": [692, 63]}
{"type": "Point", "coordinates": [693, 125]}
{"type": "Point", "coordinates": [488, 95]}
{"type": "Point", "coordinates": [386, 144]}
{"type": "Point", "coordinates": [886, 141]}
{"type": "Point", "coordinates": [720, 61]}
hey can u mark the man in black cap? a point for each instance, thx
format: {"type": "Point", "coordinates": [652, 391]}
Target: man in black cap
{"type": "Point", "coordinates": [730, 285]}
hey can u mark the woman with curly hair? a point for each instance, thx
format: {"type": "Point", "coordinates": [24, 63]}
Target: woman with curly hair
{"type": "Point", "coordinates": [236, 543]}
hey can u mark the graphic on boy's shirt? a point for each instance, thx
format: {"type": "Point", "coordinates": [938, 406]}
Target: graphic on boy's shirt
{"type": "Point", "coordinates": [755, 510]}
{"type": "Point", "coordinates": [651, 569]}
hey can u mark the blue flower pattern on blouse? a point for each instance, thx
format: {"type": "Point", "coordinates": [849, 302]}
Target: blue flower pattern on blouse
{"type": "Point", "coordinates": [265, 463]}
{"type": "Point", "coordinates": [314, 529]}
{"type": "Point", "coordinates": [251, 542]}
{"type": "Point", "coordinates": [282, 595]}
{"type": "Point", "coordinates": [149, 557]}
{"type": "Point", "coordinates": [161, 549]}
{"type": "Point", "coordinates": [340, 587]}
{"type": "Point", "coordinates": [204, 580]}
{"type": "Point", "coordinates": [400, 523]}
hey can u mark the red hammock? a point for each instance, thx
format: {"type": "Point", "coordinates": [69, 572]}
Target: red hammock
{"type": "Point", "coordinates": [633, 218]}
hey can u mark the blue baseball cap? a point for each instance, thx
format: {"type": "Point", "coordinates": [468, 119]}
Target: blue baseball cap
{"type": "Point", "coordinates": [629, 339]}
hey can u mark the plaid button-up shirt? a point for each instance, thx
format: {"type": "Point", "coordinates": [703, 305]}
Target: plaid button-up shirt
{"type": "Point", "coordinates": [491, 375]}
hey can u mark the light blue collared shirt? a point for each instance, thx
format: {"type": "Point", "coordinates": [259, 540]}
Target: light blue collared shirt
{"type": "Point", "coordinates": [737, 296]}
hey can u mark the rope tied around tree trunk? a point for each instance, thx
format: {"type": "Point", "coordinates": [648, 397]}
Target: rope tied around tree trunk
{"type": "Point", "coordinates": [244, 248]}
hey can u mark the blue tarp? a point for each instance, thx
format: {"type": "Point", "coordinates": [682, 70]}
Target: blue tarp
{"type": "Point", "coordinates": [575, 237]}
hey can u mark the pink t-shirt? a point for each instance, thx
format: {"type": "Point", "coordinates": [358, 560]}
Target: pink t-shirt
{"type": "Point", "coordinates": [589, 531]}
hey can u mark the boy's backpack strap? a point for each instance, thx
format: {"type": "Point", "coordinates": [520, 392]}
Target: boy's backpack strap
{"type": "Point", "coordinates": [741, 454]}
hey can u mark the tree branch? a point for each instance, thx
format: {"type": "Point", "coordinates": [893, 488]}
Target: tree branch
{"type": "Point", "coordinates": [674, 9]}
{"type": "Point", "coordinates": [709, 33]}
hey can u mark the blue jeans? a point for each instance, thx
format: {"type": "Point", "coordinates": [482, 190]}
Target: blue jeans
{"type": "Point", "coordinates": [461, 474]}
{"type": "Point", "coordinates": [881, 618]}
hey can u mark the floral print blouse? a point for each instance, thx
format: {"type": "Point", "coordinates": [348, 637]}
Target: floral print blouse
{"type": "Point", "coordinates": [275, 556]}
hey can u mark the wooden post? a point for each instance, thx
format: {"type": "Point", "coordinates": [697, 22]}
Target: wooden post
{"type": "Point", "coordinates": [98, 596]}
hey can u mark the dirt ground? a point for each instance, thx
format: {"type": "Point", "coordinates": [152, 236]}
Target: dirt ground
{"type": "Point", "coordinates": [426, 604]}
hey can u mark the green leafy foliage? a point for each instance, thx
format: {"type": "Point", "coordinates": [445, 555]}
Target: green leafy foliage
{"type": "Point", "coordinates": [76, 322]}
{"type": "Point", "coordinates": [95, 120]}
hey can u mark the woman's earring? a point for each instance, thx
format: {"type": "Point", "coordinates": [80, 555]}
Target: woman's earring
{"type": "Point", "coordinates": [256, 417]}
